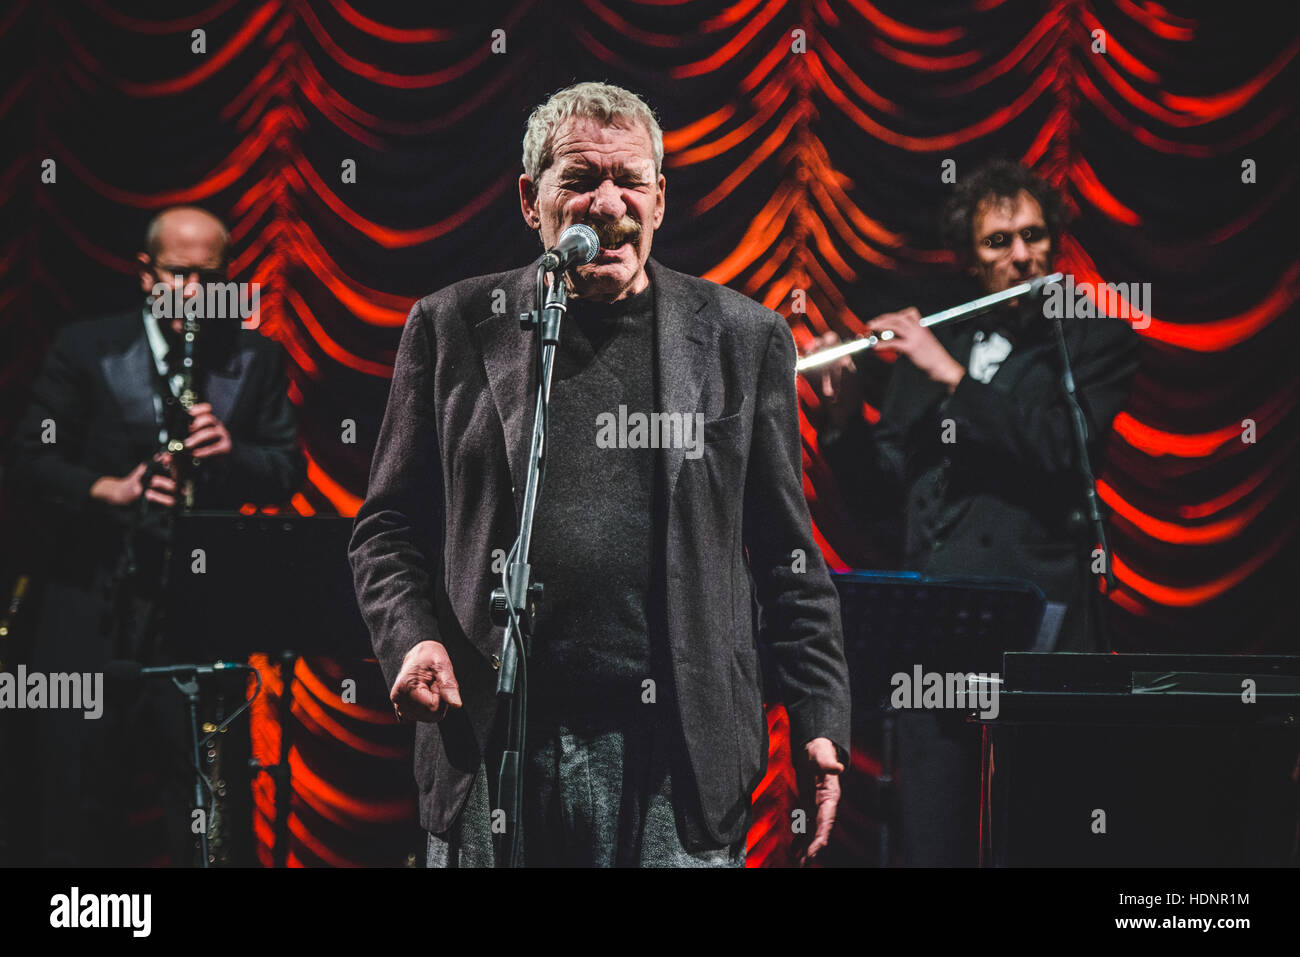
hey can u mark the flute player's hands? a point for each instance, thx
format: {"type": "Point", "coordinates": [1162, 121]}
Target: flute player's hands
{"type": "Point", "coordinates": [836, 383]}
{"type": "Point", "coordinates": [918, 344]}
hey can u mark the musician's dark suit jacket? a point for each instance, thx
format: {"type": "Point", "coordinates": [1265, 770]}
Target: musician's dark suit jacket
{"type": "Point", "coordinates": [446, 486]}
{"type": "Point", "coordinates": [97, 385]}
{"type": "Point", "coordinates": [96, 390]}
{"type": "Point", "coordinates": [1004, 499]}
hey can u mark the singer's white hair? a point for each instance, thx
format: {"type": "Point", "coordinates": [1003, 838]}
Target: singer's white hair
{"type": "Point", "coordinates": [597, 101]}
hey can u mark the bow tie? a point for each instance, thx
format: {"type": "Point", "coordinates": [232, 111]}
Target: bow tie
{"type": "Point", "coordinates": [1004, 326]}
{"type": "Point", "coordinates": [1018, 326]}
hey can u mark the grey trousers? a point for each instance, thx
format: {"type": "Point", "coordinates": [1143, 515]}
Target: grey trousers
{"type": "Point", "coordinates": [593, 797]}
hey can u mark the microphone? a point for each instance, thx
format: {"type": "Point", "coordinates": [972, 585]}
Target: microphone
{"type": "Point", "coordinates": [578, 246]}
{"type": "Point", "coordinates": [121, 670]}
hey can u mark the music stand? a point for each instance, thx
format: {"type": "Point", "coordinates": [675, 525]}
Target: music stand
{"type": "Point", "coordinates": [278, 584]}
{"type": "Point", "coordinates": [894, 621]}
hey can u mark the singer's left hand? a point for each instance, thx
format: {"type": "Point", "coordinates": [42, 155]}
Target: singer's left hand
{"type": "Point", "coordinates": [819, 772]}
{"type": "Point", "coordinates": [208, 435]}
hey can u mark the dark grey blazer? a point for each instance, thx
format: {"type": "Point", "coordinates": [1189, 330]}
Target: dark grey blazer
{"type": "Point", "coordinates": [446, 487]}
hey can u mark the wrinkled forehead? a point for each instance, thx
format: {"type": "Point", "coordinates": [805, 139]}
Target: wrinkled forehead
{"type": "Point", "coordinates": [1006, 213]}
{"type": "Point", "coordinates": [620, 147]}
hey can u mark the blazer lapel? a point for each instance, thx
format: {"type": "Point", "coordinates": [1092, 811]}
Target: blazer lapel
{"type": "Point", "coordinates": [132, 379]}
{"type": "Point", "coordinates": [685, 339]}
{"type": "Point", "coordinates": [130, 375]}
{"type": "Point", "coordinates": [508, 359]}
{"type": "Point", "coordinates": [224, 385]}
{"type": "Point", "coordinates": [1041, 349]}
{"type": "Point", "coordinates": [1021, 359]}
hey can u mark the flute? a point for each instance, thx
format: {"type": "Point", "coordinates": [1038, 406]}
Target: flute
{"type": "Point", "coordinates": [965, 311]}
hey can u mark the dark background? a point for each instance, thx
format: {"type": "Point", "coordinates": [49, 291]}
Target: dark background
{"type": "Point", "coordinates": [818, 170]}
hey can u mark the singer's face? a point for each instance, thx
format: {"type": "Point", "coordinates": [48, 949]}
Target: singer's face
{"type": "Point", "coordinates": [603, 176]}
{"type": "Point", "coordinates": [190, 251]}
{"type": "Point", "coordinates": [1012, 243]}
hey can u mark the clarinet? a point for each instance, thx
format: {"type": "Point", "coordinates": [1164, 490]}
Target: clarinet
{"type": "Point", "coordinates": [187, 466]}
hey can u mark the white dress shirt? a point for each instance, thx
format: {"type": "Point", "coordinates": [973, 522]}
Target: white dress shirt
{"type": "Point", "coordinates": [158, 345]}
{"type": "Point", "coordinates": [988, 352]}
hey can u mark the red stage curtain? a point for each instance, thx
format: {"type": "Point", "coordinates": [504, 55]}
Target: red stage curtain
{"type": "Point", "coordinates": [805, 144]}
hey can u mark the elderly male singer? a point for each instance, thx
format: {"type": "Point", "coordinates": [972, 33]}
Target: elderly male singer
{"type": "Point", "coordinates": [646, 731]}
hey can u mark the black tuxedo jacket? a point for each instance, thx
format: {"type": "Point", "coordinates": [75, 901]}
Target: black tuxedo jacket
{"type": "Point", "coordinates": [97, 387]}
{"type": "Point", "coordinates": [446, 487]}
{"type": "Point", "coordinates": [1003, 497]}
{"type": "Point", "coordinates": [94, 398]}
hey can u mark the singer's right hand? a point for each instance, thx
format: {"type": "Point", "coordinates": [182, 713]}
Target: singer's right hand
{"type": "Point", "coordinates": [836, 383]}
{"type": "Point", "coordinates": [425, 689]}
{"type": "Point", "coordinates": [127, 489]}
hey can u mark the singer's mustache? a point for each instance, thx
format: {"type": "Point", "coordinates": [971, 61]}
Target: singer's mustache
{"type": "Point", "coordinates": [626, 229]}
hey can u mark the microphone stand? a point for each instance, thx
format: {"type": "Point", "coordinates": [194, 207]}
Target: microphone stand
{"type": "Point", "coordinates": [514, 604]}
{"type": "Point", "coordinates": [185, 678]}
{"type": "Point", "coordinates": [1079, 427]}
{"type": "Point", "coordinates": [190, 689]}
